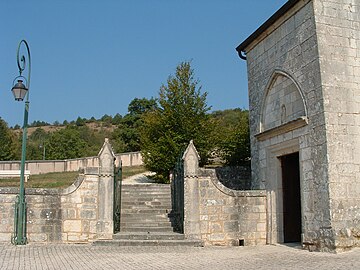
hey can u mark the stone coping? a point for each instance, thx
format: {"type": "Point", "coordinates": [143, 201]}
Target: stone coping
{"type": "Point", "coordinates": [231, 192]}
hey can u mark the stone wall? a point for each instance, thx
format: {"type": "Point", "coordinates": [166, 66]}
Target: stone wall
{"type": "Point", "coordinates": [338, 34]}
{"type": "Point", "coordinates": [309, 54]}
{"type": "Point", "coordinates": [217, 214]}
{"type": "Point", "coordinates": [70, 165]}
{"type": "Point", "coordinates": [79, 213]}
{"type": "Point", "coordinates": [289, 50]}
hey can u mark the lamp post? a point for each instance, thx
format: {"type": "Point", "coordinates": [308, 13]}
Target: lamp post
{"type": "Point", "coordinates": [21, 92]}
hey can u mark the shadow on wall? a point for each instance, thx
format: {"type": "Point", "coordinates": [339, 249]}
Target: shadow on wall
{"type": "Point", "coordinates": [236, 178]}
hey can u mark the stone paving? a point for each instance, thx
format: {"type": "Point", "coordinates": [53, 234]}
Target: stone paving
{"type": "Point", "coordinates": [79, 257]}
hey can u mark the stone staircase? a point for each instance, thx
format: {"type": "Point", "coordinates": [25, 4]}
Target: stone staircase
{"type": "Point", "coordinates": [144, 219]}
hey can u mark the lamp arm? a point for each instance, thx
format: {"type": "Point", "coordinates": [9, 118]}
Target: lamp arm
{"type": "Point", "coordinates": [21, 62]}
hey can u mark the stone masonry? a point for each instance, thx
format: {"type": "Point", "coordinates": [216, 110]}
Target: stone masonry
{"type": "Point", "coordinates": [304, 74]}
{"type": "Point", "coordinates": [79, 213]}
{"type": "Point", "coordinates": [216, 214]}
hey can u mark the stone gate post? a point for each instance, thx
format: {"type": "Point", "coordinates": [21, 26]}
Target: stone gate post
{"type": "Point", "coordinates": [191, 193]}
{"type": "Point", "coordinates": [105, 224]}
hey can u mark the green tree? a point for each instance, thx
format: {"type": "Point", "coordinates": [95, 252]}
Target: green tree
{"type": "Point", "coordinates": [80, 121]}
{"type": "Point", "coordinates": [126, 136]}
{"type": "Point", "coordinates": [36, 142]}
{"type": "Point", "coordinates": [116, 119]}
{"type": "Point", "coordinates": [65, 143]}
{"type": "Point", "coordinates": [7, 142]}
{"type": "Point", "coordinates": [139, 106]}
{"type": "Point", "coordinates": [232, 136]}
{"type": "Point", "coordinates": [181, 117]}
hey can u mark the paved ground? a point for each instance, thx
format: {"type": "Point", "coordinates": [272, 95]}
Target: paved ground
{"type": "Point", "coordinates": [90, 257]}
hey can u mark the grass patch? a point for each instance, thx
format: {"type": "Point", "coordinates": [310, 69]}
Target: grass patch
{"type": "Point", "coordinates": [59, 179]}
{"type": "Point", "coordinates": [46, 180]}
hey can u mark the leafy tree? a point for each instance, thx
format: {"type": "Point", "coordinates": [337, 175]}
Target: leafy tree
{"type": "Point", "coordinates": [231, 136]}
{"type": "Point", "coordinates": [80, 121]}
{"type": "Point", "coordinates": [36, 142]}
{"type": "Point", "coordinates": [181, 117]}
{"type": "Point", "coordinates": [92, 119]}
{"type": "Point", "coordinates": [140, 106]}
{"type": "Point", "coordinates": [7, 142]}
{"type": "Point", "coordinates": [38, 135]}
{"type": "Point", "coordinates": [126, 136]}
{"type": "Point", "coordinates": [116, 119]}
{"type": "Point", "coordinates": [106, 118]}
{"type": "Point", "coordinates": [39, 124]}
{"type": "Point", "coordinates": [65, 143]}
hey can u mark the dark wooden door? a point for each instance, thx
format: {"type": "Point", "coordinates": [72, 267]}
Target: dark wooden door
{"type": "Point", "coordinates": [291, 197]}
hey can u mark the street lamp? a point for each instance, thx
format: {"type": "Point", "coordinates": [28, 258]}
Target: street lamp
{"type": "Point", "coordinates": [21, 91]}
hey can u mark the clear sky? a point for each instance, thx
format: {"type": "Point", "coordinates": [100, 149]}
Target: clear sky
{"type": "Point", "coordinates": [92, 57]}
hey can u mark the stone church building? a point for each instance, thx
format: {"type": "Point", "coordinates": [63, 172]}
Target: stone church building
{"type": "Point", "coordinates": [304, 90]}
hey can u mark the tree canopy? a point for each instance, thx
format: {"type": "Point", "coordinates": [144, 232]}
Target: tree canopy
{"type": "Point", "coordinates": [231, 136]}
{"type": "Point", "coordinates": [182, 116]}
{"type": "Point", "coordinates": [126, 137]}
{"type": "Point", "coordinates": [7, 142]}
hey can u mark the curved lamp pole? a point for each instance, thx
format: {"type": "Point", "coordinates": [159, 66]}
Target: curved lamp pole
{"type": "Point", "coordinates": [21, 92]}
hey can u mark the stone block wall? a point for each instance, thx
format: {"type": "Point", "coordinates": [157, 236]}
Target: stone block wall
{"type": "Point", "coordinates": [289, 50]}
{"type": "Point", "coordinates": [72, 215]}
{"type": "Point", "coordinates": [314, 45]}
{"type": "Point", "coordinates": [338, 32]}
{"type": "Point", "coordinates": [230, 217]}
{"type": "Point", "coordinates": [71, 165]}
{"type": "Point", "coordinates": [219, 215]}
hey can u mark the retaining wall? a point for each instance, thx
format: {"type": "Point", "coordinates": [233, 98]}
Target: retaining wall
{"type": "Point", "coordinates": [80, 213]}
{"type": "Point", "coordinates": [219, 215]}
{"type": "Point", "coordinates": [69, 165]}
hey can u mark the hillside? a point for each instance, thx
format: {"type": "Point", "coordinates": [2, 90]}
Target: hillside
{"type": "Point", "coordinates": [95, 126]}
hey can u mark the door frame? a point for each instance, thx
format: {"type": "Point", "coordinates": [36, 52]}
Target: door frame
{"type": "Point", "coordinates": [275, 220]}
{"type": "Point", "coordinates": [291, 197]}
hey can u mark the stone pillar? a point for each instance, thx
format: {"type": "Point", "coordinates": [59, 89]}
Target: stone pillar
{"type": "Point", "coordinates": [105, 224]}
{"type": "Point", "coordinates": [191, 193]}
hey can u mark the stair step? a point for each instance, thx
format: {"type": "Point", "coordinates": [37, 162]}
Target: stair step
{"type": "Point", "coordinates": [149, 236]}
{"type": "Point", "coordinates": [144, 224]}
{"type": "Point", "coordinates": [147, 229]}
{"type": "Point", "coordinates": [146, 221]}
{"type": "Point", "coordinates": [149, 203]}
{"type": "Point", "coordinates": [123, 242]}
{"type": "Point", "coordinates": [145, 187]}
{"type": "Point", "coordinates": [145, 211]}
{"type": "Point", "coordinates": [144, 201]}
{"type": "Point", "coordinates": [147, 197]}
{"type": "Point", "coordinates": [125, 216]}
{"type": "Point", "coordinates": [155, 208]}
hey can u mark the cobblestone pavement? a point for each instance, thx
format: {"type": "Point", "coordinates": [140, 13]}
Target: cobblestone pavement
{"type": "Point", "coordinates": [90, 257]}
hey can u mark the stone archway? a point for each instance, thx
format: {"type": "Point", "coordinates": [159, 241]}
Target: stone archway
{"type": "Point", "coordinates": [283, 102]}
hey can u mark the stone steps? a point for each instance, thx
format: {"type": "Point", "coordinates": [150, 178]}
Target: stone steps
{"type": "Point", "coordinates": [153, 211]}
{"type": "Point", "coordinates": [149, 236]}
{"type": "Point", "coordinates": [144, 224]}
{"type": "Point", "coordinates": [147, 229]}
{"type": "Point", "coordinates": [144, 219]}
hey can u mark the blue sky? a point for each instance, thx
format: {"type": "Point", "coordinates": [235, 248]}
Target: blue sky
{"type": "Point", "coordinates": [92, 57]}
